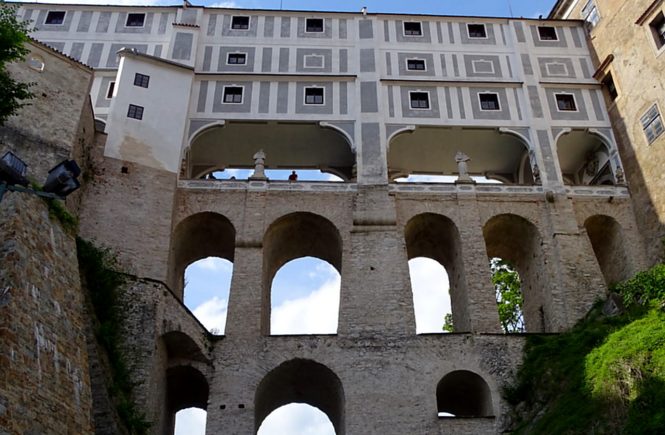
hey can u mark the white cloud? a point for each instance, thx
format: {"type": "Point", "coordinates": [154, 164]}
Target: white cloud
{"type": "Point", "coordinates": [190, 421]}
{"type": "Point", "coordinates": [213, 263]}
{"type": "Point", "coordinates": [296, 418]}
{"type": "Point", "coordinates": [212, 314]}
{"type": "Point", "coordinates": [224, 5]}
{"type": "Point", "coordinates": [316, 313]}
{"type": "Point", "coordinates": [431, 299]}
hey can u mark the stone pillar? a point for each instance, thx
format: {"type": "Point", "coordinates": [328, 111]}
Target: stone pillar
{"type": "Point", "coordinates": [480, 302]}
{"type": "Point", "coordinates": [246, 300]}
{"type": "Point", "coordinates": [376, 295]}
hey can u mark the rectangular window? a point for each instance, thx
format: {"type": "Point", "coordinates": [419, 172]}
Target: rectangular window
{"type": "Point", "coordinates": [413, 28]}
{"type": "Point", "coordinates": [232, 94]}
{"type": "Point", "coordinates": [135, 20]}
{"type": "Point", "coordinates": [657, 26]}
{"type": "Point", "coordinates": [489, 101]}
{"type": "Point", "coordinates": [566, 102]}
{"type": "Point", "coordinates": [415, 65]}
{"type": "Point", "coordinates": [547, 33]}
{"type": "Point", "coordinates": [419, 100]}
{"type": "Point", "coordinates": [652, 123]}
{"type": "Point", "coordinates": [109, 90]}
{"type": "Point", "coordinates": [141, 80]}
{"type": "Point", "coordinates": [135, 112]}
{"type": "Point", "coordinates": [55, 17]}
{"type": "Point", "coordinates": [236, 59]}
{"type": "Point", "coordinates": [313, 95]}
{"type": "Point", "coordinates": [476, 30]}
{"type": "Point", "coordinates": [590, 13]}
{"type": "Point", "coordinates": [314, 25]}
{"type": "Point", "coordinates": [239, 23]}
{"type": "Point", "coordinates": [608, 83]}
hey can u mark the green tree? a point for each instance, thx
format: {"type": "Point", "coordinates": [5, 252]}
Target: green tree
{"type": "Point", "coordinates": [13, 33]}
{"type": "Point", "coordinates": [509, 297]}
{"type": "Point", "coordinates": [448, 322]}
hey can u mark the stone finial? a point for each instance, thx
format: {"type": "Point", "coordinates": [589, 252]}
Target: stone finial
{"type": "Point", "coordinates": [536, 174]}
{"type": "Point", "coordinates": [620, 176]}
{"type": "Point", "coordinates": [462, 168]}
{"type": "Point", "coordinates": [259, 166]}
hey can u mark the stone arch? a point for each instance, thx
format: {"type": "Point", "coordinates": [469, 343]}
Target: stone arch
{"type": "Point", "coordinates": [287, 145]}
{"type": "Point", "coordinates": [201, 235]}
{"type": "Point", "coordinates": [514, 238]}
{"type": "Point", "coordinates": [609, 245]}
{"type": "Point", "coordinates": [301, 381]}
{"type": "Point", "coordinates": [437, 237]}
{"type": "Point", "coordinates": [463, 393]}
{"type": "Point", "coordinates": [185, 384]}
{"type": "Point", "coordinates": [296, 235]}
{"type": "Point", "coordinates": [584, 157]}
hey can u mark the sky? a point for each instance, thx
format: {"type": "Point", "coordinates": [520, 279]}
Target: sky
{"type": "Point", "coordinates": [305, 293]}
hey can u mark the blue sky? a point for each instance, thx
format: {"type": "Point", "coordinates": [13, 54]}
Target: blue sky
{"type": "Point", "coordinates": [303, 287]}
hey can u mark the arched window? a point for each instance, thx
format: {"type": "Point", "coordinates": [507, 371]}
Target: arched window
{"type": "Point", "coordinates": [514, 239]}
{"type": "Point", "coordinates": [431, 296]}
{"type": "Point", "coordinates": [301, 381]}
{"type": "Point", "coordinates": [463, 394]}
{"type": "Point", "coordinates": [435, 237]}
{"type": "Point", "coordinates": [296, 236]}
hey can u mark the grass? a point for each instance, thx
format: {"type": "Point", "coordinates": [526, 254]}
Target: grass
{"type": "Point", "coordinates": [103, 284]}
{"type": "Point", "coordinates": [605, 376]}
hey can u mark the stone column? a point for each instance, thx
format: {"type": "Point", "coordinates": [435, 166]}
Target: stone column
{"type": "Point", "coordinates": [244, 313]}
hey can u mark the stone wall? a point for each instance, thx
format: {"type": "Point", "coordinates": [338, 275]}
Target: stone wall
{"type": "Point", "coordinates": [44, 380]}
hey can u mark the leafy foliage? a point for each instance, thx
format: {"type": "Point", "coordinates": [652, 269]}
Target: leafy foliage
{"type": "Point", "coordinates": [606, 375]}
{"type": "Point", "coordinates": [448, 323]}
{"type": "Point", "coordinates": [509, 296]}
{"type": "Point", "coordinates": [103, 283]}
{"type": "Point", "coordinates": [13, 33]}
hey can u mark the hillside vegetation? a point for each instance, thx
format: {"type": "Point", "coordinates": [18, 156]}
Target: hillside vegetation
{"type": "Point", "coordinates": [605, 376]}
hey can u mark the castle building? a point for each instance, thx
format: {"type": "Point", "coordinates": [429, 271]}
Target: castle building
{"type": "Point", "coordinates": [181, 92]}
{"type": "Point", "coordinates": [627, 40]}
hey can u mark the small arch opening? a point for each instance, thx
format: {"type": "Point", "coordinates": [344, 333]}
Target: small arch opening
{"type": "Point", "coordinates": [584, 159]}
{"type": "Point", "coordinates": [609, 246]}
{"type": "Point", "coordinates": [304, 298]}
{"type": "Point", "coordinates": [431, 296]}
{"type": "Point", "coordinates": [297, 418]}
{"type": "Point", "coordinates": [206, 291]}
{"type": "Point", "coordinates": [186, 400]}
{"type": "Point", "coordinates": [464, 394]}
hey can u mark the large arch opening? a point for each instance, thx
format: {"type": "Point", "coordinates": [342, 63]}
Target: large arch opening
{"type": "Point", "coordinates": [515, 239]}
{"type": "Point", "coordinates": [609, 245]}
{"type": "Point", "coordinates": [287, 145]}
{"type": "Point", "coordinates": [304, 298]}
{"type": "Point", "coordinates": [462, 393]}
{"type": "Point", "coordinates": [584, 159]}
{"type": "Point", "coordinates": [294, 236]}
{"type": "Point", "coordinates": [297, 418]}
{"type": "Point", "coordinates": [206, 292]}
{"type": "Point", "coordinates": [436, 237]}
{"type": "Point", "coordinates": [430, 151]}
{"type": "Point", "coordinates": [197, 237]}
{"type": "Point", "coordinates": [301, 381]}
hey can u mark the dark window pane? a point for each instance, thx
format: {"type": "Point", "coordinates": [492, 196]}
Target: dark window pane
{"type": "Point", "coordinates": [135, 20]}
{"type": "Point", "coordinates": [240, 23]}
{"type": "Point", "coordinates": [55, 17]}
{"type": "Point", "coordinates": [314, 25]}
{"type": "Point", "coordinates": [477, 31]}
{"type": "Point", "coordinates": [413, 29]}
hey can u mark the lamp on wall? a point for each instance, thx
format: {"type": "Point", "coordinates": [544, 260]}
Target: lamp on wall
{"type": "Point", "coordinates": [61, 180]}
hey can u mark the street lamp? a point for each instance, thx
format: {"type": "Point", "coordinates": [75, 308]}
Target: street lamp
{"type": "Point", "coordinates": [61, 180]}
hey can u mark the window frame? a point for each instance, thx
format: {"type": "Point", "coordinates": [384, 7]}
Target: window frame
{"type": "Point", "coordinates": [323, 95]}
{"type": "Point", "coordinates": [242, 94]}
{"type": "Point", "coordinates": [110, 89]}
{"type": "Point", "coordinates": [141, 80]}
{"type": "Point", "coordinates": [236, 53]}
{"type": "Point", "coordinates": [648, 125]}
{"type": "Point", "coordinates": [591, 12]}
{"type": "Point", "coordinates": [657, 36]}
{"type": "Point", "coordinates": [134, 26]}
{"type": "Point", "coordinates": [547, 39]}
{"type": "Point", "coordinates": [497, 100]}
{"type": "Point", "coordinates": [62, 23]}
{"type": "Point", "coordinates": [307, 26]}
{"type": "Point", "coordinates": [410, 33]}
{"type": "Point", "coordinates": [607, 79]}
{"type": "Point", "coordinates": [135, 111]}
{"type": "Point", "coordinates": [240, 27]}
{"type": "Point", "coordinates": [428, 100]}
{"type": "Point", "coordinates": [566, 94]}
{"type": "Point", "coordinates": [470, 36]}
{"type": "Point", "coordinates": [415, 59]}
